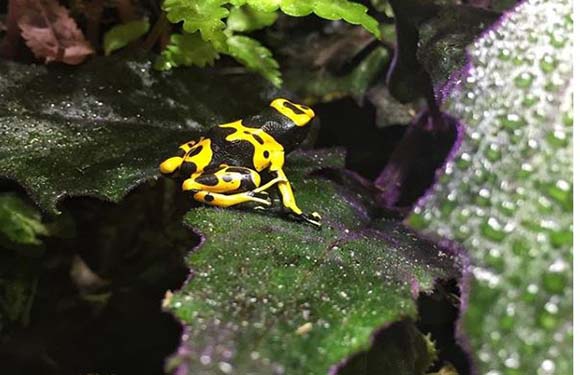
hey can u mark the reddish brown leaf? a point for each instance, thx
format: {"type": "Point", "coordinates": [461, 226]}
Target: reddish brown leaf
{"type": "Point", "coordinates": [51, 33]}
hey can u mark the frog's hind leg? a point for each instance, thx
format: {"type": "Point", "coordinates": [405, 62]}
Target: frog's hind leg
{"type": "Point", "coordinates": [289, 201]}
{"type": "Point", "coordinates": [227, 186]}
{"type": "Point", "coordinates": [224, 200]}
{"type": "Point", "coordinates": [172, 164]}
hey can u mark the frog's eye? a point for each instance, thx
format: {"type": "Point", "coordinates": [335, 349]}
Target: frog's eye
{"type": "Point", "coordinates": [298, 113]}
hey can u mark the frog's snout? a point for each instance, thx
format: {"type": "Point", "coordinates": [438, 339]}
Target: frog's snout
{"type": "Point", "coordinates": [170, 165]}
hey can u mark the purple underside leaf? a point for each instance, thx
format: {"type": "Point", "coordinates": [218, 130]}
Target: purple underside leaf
{"type": "Point", "coordinates": [412, 168]}
{"type": "Point", "coordinates": [431, 51]}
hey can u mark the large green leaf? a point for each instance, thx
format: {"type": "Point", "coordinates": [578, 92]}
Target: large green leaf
{"type": "Point", "coordinates": [103, 129]}
{"type": "Point", "coordinates": [270, 295]}
{"type": "Point", "coordinates": [508, 195]}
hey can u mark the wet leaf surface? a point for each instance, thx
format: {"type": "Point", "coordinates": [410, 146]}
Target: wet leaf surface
{"type": "Point", "coordinates": [104, 128]}
{"type": "Point", "coordinates": [507, 197]}
{"type": "Point", "coordinates": [269, 295]}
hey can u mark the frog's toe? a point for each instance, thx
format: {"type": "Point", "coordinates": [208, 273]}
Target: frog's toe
{"type": "Point", "coordinates": [261, 195]}
{"type": "Point", "coordinates": [313, 219]}
{"type": "Point", "coordinates": [258, 198]}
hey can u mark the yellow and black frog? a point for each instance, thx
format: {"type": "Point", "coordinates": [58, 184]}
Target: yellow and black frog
{"type": "Point", "coordinates": [238, 162]}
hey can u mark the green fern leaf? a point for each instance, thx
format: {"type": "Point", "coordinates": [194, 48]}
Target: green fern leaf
{"type": "Point", "coordinates": [255, 57]}
{"type": "Point", "coordinates": [328, 9]}
{"type": "Point", "coordinates": [264, 5]}
{"type": "Point", "coordinates": [350, 12]}
{"type": "Point", "coordinates": [207, 17]}
{"type": "Point", "coordinates": [331, 10]}
{"type": "Point", "coordinates": [247, 19]}
{"type": "Point", "coordinates": [203, 15]}
{"type": "Point", "coordinates": [297, 8]}
{"type": "Point", "coordinates": [186, 50]}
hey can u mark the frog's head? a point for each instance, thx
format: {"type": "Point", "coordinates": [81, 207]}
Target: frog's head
{"type": "Point", "coordinates": [300, 114]}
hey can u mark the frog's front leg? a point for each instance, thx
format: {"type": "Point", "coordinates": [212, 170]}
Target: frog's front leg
{"type": "Point", "coordinates": [192, 157]}
{"type": "Point", "coordinates": [227, 186]}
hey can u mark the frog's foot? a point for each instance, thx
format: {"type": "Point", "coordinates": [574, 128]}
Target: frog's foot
{"type": "Point", "coordinates": [313, 219]}
{"type": "Point", "coordinates": [262, 195]}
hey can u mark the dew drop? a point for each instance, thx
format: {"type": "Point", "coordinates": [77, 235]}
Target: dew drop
{"type": "Point", "coordinates": [512, 121]}
{"type": "Point", "coordinates": [524, 80]}
{"type": "Point", "coordinates": [548, 64]}
{"type": "Point", "coordinates": [492, 229]}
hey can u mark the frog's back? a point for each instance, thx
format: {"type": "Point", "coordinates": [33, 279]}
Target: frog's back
{"type": "Point", "coordinates": [235, 153]}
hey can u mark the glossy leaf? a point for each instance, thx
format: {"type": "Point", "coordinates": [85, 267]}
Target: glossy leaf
{"type": "Point", "coordinates": [104, 129]}
{"type": "Point", "coordinates": [269, 295]}
{"type": "Point", "coordinates": [507, 197]}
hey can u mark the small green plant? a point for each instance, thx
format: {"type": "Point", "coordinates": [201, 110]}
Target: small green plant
{"type": "Point", "coordinates": [213, 27]}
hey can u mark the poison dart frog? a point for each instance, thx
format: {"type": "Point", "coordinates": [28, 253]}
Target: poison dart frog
{"type": "Point", "coordinates": [238, 162]}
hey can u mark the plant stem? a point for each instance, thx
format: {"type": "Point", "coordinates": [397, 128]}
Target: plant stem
{"type": "Point", "coordinates": [94, 15]}
{"type": "Point", "coordinates": [160, 28]}
{"type": "Point", "coordinates": [126, 11]}
{"type": "Point", "coordinates": [9, 45]}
